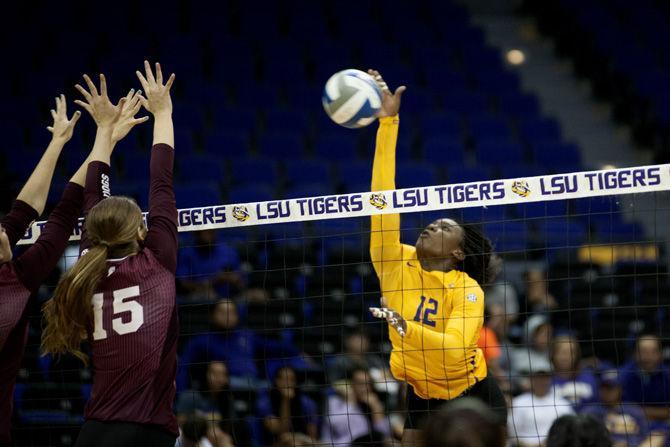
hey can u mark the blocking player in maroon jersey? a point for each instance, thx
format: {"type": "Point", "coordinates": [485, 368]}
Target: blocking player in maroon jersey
{"type": "Point", "coordinates": [21, 277]}
{"type": "Point", "coordinates": [120, 295]}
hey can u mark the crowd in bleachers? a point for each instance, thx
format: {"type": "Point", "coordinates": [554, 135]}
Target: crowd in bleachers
{"type": "Point", "coordinates": [275, 322]}
{"type": "Point", "coordinates": [259, 350]}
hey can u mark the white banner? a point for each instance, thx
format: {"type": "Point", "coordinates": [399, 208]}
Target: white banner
{"type": "Point", "coordinates": [574, 185]}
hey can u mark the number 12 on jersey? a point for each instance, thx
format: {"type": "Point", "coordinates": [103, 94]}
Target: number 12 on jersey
{"type": "Point", "coordinates": [431, 309]}
{"type": "Point", "coordinates": [122, 303]}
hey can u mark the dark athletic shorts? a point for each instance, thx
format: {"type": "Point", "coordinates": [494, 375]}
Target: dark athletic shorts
{"type": "Point", "coordinates": [122, 434]}
{"type": "Point", "coordinates": [486, 390]}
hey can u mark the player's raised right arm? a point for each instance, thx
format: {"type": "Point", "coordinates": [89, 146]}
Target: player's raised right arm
{"type": "Point", "coordinates": [385, 247]}
{"type": "Point", "coordinates": [162, 235]}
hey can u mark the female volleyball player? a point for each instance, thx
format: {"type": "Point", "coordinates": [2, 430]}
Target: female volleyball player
{"type": "Point", "coordinates": [20, 277]}
{"type": "Point", "coordinates": [121, 295]}
{"type": "Point", "coordinates": [431, 295]}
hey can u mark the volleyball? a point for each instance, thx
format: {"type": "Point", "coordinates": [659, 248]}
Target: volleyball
{"type": "Point", "coordinates": [352, 98]}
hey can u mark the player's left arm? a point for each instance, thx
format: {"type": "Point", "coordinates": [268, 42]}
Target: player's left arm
{"type": "Point", "coordinates": [162, 235]}
{"type": "Point", "coordinates": [461, 330]}
{"type": "Point", "coordinates": [31, 200]}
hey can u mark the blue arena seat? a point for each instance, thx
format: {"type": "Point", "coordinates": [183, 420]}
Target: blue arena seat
{"type": "Point", "coordinates": [518, 104]}
{"type": "Point", "coordinates": [415, 174]}
{"type": "Point", "coordinates": [336, 146]}
{"type": "Point", "coordinates": [227, 142]}
{"type": "Point", "coordinates": [540, 129]}
{"type": "Point", "coordinates": [201, 167]}
{"type": "Point", "coordinates": [440, 124]}
{"type": "Point", "coordinates": [282, 120]}
{"type": "Point", "coordinates": [282, 145]}
{"type": "Point", "coordinates": [251, 193]}
{"type": "Point", "coordinates": [239, 119]}
{"type": "Point", "coordinates": [202, 193]}
{"type": "Point", "coordinates": [307, 171]}
{"type": "Point", "coordinates": [508, 236]}
{"type": "Point", "coordinates": [464, 174]}
{"type": "Point", "coordinates": [246, 171]}
{"type": "Point", "coordinates": [443, 151]}
{"type": "Point", "coordinates": [488, 127]}
{"type": "Point", "coordinates": [499, 152]}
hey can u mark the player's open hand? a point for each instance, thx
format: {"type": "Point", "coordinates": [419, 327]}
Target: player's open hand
{"type": "Point", "coordinates": [157, 100]}
{"type": "Point", "coordinates": [104, 113]}
{"type": "Point", "coordinates": [62, 127]}
{"type": "Point", "coordinates": [392, 317]}
{"type": "Point", "coordinates": [127, 120]}
{"type": "Point", "coordinates": [390, 100]}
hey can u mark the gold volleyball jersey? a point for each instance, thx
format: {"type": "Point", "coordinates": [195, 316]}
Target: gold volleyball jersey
{"type": "Point", "coordinates": [444, 312]}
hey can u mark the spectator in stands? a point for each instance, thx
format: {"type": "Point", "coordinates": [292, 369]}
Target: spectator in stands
{"type": "Point", "coordinates": [503, 294]}
{"type": "Point", "coordinates": [578, 431]}
{"type": "Point", "coordinates": [626, 423]}
{"type": "Point", "coordinates": [357, 354]}
{"type": "Point", "coordinates": [538, 297]}
{"type": "Point", "coordinates": [646, 379]}
{"type": "Point", "coordinates": [466, 422]}
{"type": "Point", "coordinates": [354, 413]}
{"type": "Point", "coordinates": [285, 409]}
{"type": "Point", "coordinates": [211, 397]}
{"type": "Point", "coordinates": [235, 345]}
{"type": "Point", "coordinates": [533, 412]}
{"type": "Point", "coordinates": [498, 322]}
{"type": "Point", "coordinates": [196, 431]}
{"type": "Point", "coordinates": [538, 334]}
{"type": "Point", "coordinates": [578, 385]}
{"type": "Point", "coordinates": [208, 268]}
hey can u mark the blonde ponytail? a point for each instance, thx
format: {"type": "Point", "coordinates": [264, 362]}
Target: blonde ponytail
{"type": "Point", "coordinates": [69, 313]}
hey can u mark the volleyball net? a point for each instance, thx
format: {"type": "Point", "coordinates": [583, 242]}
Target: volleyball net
{"type": "Point", "coordinates": [583, 252]}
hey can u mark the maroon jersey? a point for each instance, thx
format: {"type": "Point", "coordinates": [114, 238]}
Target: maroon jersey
{"type": "Point", "coordinates": [23, 276]}
{"type": "Point", "coordinates": [135, 328]}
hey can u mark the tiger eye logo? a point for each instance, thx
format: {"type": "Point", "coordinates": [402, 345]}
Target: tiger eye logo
{"type": "Point", "coordinates": [241, 213]}
{"type": "Point", "coordinates": [378, 200]}
{"type": "Point", "coordinates": [521, 188]}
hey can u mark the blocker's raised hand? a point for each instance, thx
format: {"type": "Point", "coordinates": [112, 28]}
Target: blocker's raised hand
{"type": "Point", "coordinates": [62, 127]}
{"type": "Point", "coordinates": [104, 113]}
{"type": "Point", "coordinates": [157, 98]}
{"type": "Point", "coordinates": [127, 120]}
{"type": "Point", "coordinates": [392, 317]}
{"type": "Point", "coordinates": [390, 101]}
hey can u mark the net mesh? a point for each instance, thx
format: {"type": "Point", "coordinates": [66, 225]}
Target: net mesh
{"type": "Point", "coordinates": [264, 299]}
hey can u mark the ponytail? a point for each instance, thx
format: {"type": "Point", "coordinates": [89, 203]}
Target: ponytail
{"type": "Point", "coordinates": [68, 314]}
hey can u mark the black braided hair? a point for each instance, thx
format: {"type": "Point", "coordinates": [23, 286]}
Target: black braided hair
{"type": "Point", "coordinates": [481, 262]}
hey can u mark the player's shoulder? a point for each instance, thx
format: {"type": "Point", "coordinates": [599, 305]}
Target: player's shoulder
{"type": "Point", "coordinates": [468, 286]}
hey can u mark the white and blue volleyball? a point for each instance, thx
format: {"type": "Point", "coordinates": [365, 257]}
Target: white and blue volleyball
{"type": "Point", "coordinates": [352, 98]}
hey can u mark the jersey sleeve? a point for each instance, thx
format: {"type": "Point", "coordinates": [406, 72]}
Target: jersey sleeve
{"type": "Point", "coordinates": [39, 260]}
{"type": "Point", "coordinates": [17, 221]}
{"type": "Point", "coordinates": [461, 329]}
{"type": "Point", "coordinates": [162, 236]}
{"type": "Point", "coordinates": [97, 187]}
{"type": "Point", "coordinates": [386, 251]}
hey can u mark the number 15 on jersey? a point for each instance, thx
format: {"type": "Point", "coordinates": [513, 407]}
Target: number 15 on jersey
{"type": "Point", "coordinates": [122, 303]}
